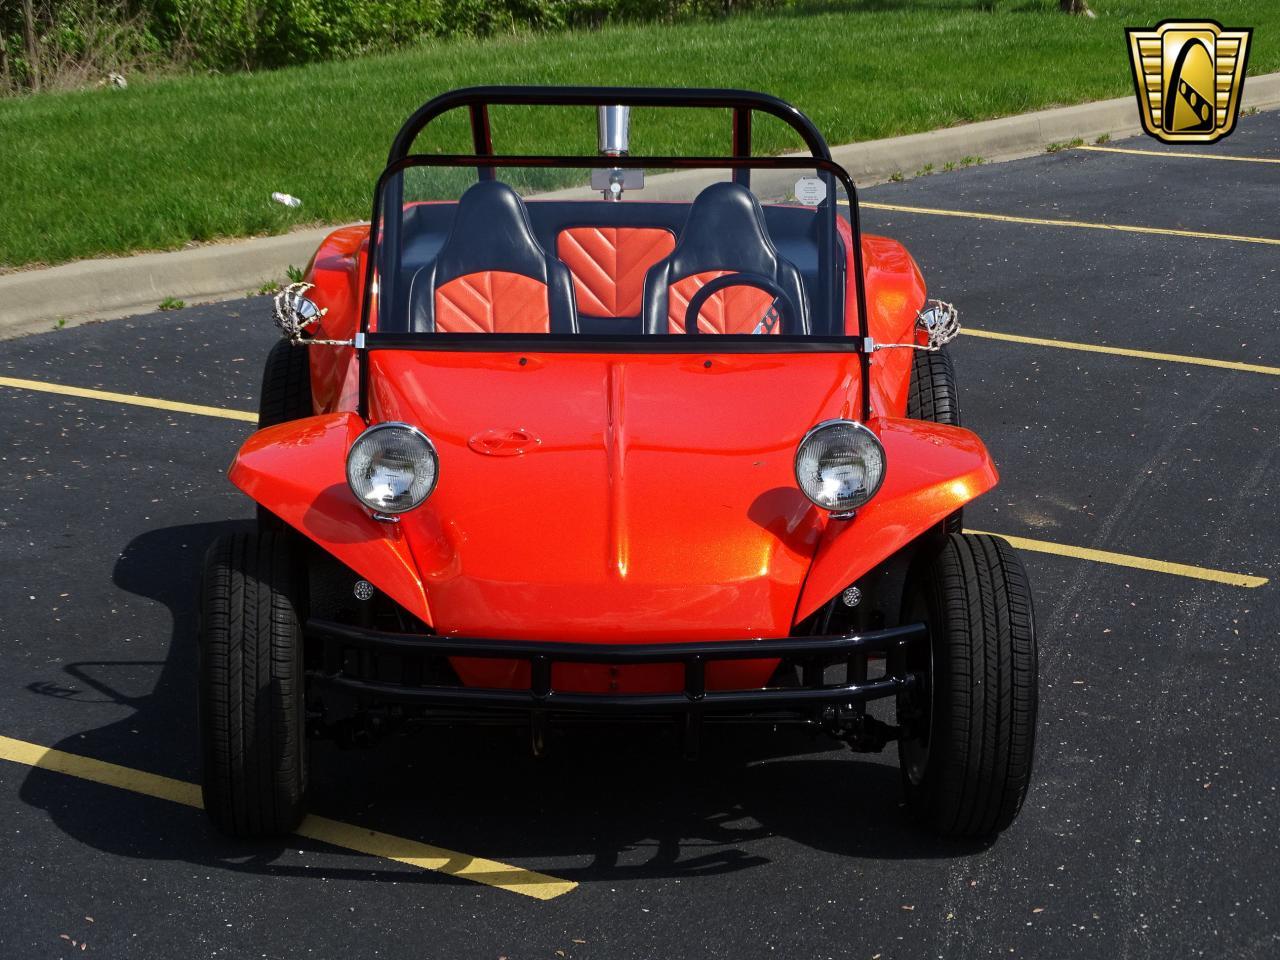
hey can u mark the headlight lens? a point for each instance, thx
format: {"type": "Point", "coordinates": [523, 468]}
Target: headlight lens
{"type": "Point", "coordinates": [840, 465]}
{"type": "Point", "coordinates": [392, 467]}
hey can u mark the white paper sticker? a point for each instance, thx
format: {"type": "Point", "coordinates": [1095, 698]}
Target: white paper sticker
{"type": "Point", "coordinates": [810, 191]}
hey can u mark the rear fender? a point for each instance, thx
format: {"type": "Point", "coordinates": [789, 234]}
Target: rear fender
{"type": "Point", "coordinates": [931, 471]}
{"type": "Point", "coordinates": [297, 470]}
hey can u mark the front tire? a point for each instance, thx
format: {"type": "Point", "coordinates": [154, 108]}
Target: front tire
{"type": "Point", "coordinates": [969, 732]}
{"type": "Point", "coordinates": [251, 685]}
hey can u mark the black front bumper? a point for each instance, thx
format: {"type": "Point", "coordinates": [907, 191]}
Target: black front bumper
{"type": "Point", "coordinates": [370, 665]}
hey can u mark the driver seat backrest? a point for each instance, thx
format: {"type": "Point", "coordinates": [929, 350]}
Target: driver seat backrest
{"type": "Point", "coordinates": [491, 275]}
{"type": "Point", "coordinates": [725, 233]}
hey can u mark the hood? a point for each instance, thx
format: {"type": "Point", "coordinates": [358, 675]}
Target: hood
{"type": "Point", "coordinates": [627, 496]}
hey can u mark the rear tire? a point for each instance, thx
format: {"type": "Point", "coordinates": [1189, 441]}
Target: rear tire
{"type": "Point", "coordinates": [286, 385]}
{"type": "Point", "coordinates": [967, 767]}
{"type": "Point", "coordinates": [286, 396]}
{"type": "Point", "coordinates": [251, 685]}
{"type": "Point", "coordinates": [933, 396]}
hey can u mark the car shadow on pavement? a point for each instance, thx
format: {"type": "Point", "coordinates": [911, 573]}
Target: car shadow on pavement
{"type": "Point", "coordinates": [606, 803]}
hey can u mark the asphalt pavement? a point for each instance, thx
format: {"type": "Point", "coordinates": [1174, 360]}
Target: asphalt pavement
{"type": "Point", "coordinates": [1151, 829]}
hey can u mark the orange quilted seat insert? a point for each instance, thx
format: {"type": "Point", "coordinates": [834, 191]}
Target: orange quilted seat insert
{"type": "Point", "coordinates": [492, 301]}
{"type": "Point", "coordinates": [609, 263]}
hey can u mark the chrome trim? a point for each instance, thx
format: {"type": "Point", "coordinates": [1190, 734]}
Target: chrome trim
{"type": "Point", "coordinates": [613, 129]}
{"type": "Point", "coordinates": [848, 513]}
{"type": "Point", "coordinates": [385, 514]}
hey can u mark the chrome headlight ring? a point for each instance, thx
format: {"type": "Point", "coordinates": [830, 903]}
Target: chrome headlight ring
{"type": "Point", "coordinates": [392, 467]}
{"type": "Point", "coordinates": [840, 465]}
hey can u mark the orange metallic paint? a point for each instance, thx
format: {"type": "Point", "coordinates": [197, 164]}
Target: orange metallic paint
{"type": "Point", "coordinates": [931, 471]}
{"type": "Point", "coordinates": [895, 296]}
{"type": "Point", "coordinates": [297, 470]}
{"type": "Point", "coordinates": [657, 504]}
{"type": "Point", "coordinates": [609, 263]}
{"type": "Point", "coordinates": [337, 270]}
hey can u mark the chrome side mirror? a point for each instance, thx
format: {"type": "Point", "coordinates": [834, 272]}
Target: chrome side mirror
{"type": "Point", "coordinates": [295, 311]}
{"type": "Point", "coordinates": [941, 323]}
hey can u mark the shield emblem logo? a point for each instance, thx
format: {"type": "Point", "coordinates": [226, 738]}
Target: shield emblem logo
{"type": "Point", "coordinates": [1189, 75]}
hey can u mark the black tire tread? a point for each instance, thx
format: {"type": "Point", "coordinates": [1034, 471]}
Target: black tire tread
{"type": "Point", "coordinates": [933, 394]}
{"type": "Point", "coordinates": [251, 709]}
{"type": "Point", "coordinates": [286, 385]}
{"type": "Point", "coordinates": [986, 701]}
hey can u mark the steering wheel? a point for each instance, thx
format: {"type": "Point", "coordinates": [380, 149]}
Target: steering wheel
{"type": "Point", "coordinates": [781, 312]}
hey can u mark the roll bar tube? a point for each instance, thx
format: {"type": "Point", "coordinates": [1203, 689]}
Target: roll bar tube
{"type": "Point", "coordinates": [479, 99]}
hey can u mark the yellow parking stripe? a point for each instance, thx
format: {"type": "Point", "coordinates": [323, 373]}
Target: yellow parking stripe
{"type": "Point", "coordinates": [1080, 553]}
{"type": "Point", "coordinates": [540, 886]}
{"type": "Point", "coordinates": [129, 398]}
{"type": "Point", "coordinates": [1082, 224]}
{"type": "Point", "coordinates": [1122, 351]}
{"type": "Point", "coordinates": [1178, 153]}
{"type": "Point", "coordinates": [1126, 560]}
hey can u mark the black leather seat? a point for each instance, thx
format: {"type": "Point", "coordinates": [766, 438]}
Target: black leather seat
{"type": "Point", "coordinates": [725, 232]}
{"type": "Point", "coordinates": [491, 274]}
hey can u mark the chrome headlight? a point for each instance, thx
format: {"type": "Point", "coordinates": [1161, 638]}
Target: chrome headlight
{"type": "Point", "coordinates": [840, 465]}
{"type": "Point", "coordinates": [392, 467]}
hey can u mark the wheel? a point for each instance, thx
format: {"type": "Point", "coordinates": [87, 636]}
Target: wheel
{"type": "Point", "coordinates": [969, 727]}
{"type": "Point", "coordinates": [933, 396]}
{"type": "Point", "coordinates": [251, 697]}
{"type": "Point", "coordinates": [286, 385]}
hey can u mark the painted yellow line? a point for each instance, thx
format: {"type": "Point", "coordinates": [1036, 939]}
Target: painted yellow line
{"type": "Point", "coordinates": [540, 886]}
{"type": "Point", "coordinates": [1126, 560]}
{"type": "Point", "coordinates": [1122, 351]}
{"type": "Point", "coordinates": [129, 398]}
{"type": "Point", "coordinates": [1082, 224]}
{"type": "Point", "coordinates": [1178, 153]}
{"type": "Point", "coordinates": [434, 858]}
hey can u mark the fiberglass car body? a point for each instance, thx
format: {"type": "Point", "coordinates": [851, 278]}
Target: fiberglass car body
{"type": "Point", "coordinates": [536, 448]}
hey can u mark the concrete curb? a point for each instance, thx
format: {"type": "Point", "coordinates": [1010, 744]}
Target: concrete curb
{"type": "Point", "coordinates": [37, 300]}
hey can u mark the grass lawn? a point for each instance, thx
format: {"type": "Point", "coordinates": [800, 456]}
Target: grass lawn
{"type": "Point", "coordinates": [173, 160]}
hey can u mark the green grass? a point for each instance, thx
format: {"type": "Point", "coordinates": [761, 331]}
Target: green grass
{"type": "Point", "coordinates": [196, 158]}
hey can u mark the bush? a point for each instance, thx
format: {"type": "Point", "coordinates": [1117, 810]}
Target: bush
{"type": "Point", "coordinates": [81, 41]}
{"type": "Point", "coordinates": [75, 43]}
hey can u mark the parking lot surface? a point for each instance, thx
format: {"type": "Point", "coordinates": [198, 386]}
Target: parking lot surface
{"type": "Point", "coordinates": [1152, 826]}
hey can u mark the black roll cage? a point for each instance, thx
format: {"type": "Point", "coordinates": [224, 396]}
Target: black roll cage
{"type": "Point", "coordinates": [743, 103]}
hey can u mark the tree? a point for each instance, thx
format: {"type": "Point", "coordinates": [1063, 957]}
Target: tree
{"type": "Point", "coordinates": [33, 51]}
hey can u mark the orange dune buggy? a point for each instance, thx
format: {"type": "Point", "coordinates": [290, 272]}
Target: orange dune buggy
{"type": "Point", "coordinates": [546, 440]}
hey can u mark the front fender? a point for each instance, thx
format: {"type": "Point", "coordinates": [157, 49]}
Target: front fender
{"type": "Point", "coordinates": [931, 471]}
{"type": "Point", "coordinates": [297, 470]}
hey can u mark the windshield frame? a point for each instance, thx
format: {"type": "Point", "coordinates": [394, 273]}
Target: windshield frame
{"type": "Point", "coordinates": [384, 242]}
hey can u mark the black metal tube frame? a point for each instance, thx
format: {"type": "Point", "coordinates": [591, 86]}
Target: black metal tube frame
{"type": "Point", "coordinates": [813, 653]}
{"type": "Point", "coordinates": [478, 99]}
